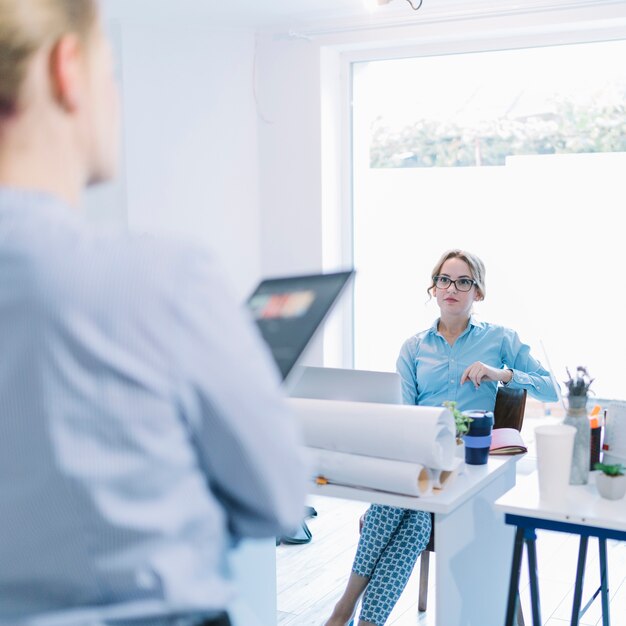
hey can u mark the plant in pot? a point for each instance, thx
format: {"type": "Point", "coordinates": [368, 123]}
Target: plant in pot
{"type": "Point", "coordinates": [461, 421]}
{"type": "Point", "coordinates": [578, 388]}
{"type": "Point", "coordinates": [611, 481]}
{"type": "Point", "coordinates": [576, 415]}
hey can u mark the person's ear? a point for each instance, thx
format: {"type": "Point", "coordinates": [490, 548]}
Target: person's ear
{"type": "Point", "coordinates": [66, 71]}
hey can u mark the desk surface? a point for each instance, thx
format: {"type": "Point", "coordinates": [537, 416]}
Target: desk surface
{"type": "Point", "coordinates": [581, 504]}
{"type": "Point", "coordinates": [472, 479]}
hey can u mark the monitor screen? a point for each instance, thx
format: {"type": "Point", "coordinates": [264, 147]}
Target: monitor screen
{"type": "Point", "coordinates": [289, 311]}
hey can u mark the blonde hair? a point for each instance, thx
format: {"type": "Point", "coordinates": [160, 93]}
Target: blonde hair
{"type": "Point", "coordinates": [477, 268]}
{"type": "Point", "coordinates": [28, 25]}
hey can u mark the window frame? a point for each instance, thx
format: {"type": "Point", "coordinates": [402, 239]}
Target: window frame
{"type": "Point", "coordinates": [455, 36]}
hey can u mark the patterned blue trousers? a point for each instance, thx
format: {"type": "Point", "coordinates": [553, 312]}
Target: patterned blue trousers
{"type": "Point", "coordinates": [390, 543]}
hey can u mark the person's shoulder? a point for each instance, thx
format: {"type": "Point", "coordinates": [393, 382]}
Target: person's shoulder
{"type": "Point", "coordinates": [411, 345]}
{"type": "Point", "coordinates": [150, 257]}
{"type": "Point", "coordinates": [493, 330]}
{"type": "Point", "coordinates": [62, 262]}
{"type": "Point", "coordinates": [103, 268]}
{"type": "Point", "coordinates": [160, 269]}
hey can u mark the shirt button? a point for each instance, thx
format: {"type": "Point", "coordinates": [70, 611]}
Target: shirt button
{"type": "Point", "coordinates": [452, 380]}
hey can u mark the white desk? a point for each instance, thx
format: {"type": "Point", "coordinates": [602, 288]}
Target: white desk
{"type": "Point", "coordinates": [582, 511]}
{"type": "Point", "coordinates": [581, 505]}
{"type": "Point", "coordinates": [473, 542]}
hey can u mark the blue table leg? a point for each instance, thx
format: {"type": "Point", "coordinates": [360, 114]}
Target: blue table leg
{"type": "Point", "coordinates": [531, 537]}
{"type": "Point", "coordinates": [516, 567]}
{"type": "Point", "coordinates": [604, 582]}
{"type": "Point", "coordinates": [580, 576]}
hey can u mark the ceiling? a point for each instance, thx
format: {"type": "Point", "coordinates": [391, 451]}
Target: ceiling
{"type": "Point", "coordinates": [260, 13]}
{"type": "Point", "coordinates": [272, 11]}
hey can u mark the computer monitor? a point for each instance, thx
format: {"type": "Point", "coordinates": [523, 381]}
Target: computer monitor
{"type": "Point", "coordinates": [330, 383]}
{"type": "Point", "coordinates": [290, 310]}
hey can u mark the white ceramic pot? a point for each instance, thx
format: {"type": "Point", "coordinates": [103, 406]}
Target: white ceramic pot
{"type": "Point", "coordinates": [611, 487]}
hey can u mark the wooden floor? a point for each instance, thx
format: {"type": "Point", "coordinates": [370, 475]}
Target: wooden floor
{"type": "Point", "coordinates": [311, 577]}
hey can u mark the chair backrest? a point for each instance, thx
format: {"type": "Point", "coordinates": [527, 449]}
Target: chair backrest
{"type": "Point", "coordinates": [509, 409]}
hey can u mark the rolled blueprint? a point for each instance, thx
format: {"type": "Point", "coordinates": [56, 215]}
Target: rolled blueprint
{"type": "Point", "coordinates": [413, 434]}
{"type": "Point", "coordinates": [369, 472]}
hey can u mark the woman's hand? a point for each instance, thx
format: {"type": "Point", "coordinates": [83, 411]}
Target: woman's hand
{"type": "Point", "coordinates": [479, 371]}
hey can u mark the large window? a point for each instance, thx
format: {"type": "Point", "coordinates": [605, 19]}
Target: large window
{"type": "Point", "coordinates": [517, 155]}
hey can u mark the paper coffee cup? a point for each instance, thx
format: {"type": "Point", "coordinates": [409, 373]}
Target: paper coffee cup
{"type": "Point", "coordinates": [555, 446]}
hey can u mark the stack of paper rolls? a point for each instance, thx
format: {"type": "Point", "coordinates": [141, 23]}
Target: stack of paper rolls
{"type": "Point", "coordinates": [394, 448]}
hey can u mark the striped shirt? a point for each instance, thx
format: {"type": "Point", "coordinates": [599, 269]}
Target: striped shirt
{"type": "Point", "coordinates": [142, 431]}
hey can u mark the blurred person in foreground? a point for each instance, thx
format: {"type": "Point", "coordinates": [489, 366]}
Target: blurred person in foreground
{"type": "Point", "coordinates": [142, 432]}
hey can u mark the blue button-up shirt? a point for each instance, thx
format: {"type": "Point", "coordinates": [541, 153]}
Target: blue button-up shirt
{"type": "Point", "coordinates": [142, 430]}
{"type": "Point", "coordinates": [431, 368]}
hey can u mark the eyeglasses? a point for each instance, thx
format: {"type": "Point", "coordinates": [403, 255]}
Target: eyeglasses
{"type": "Point", "coordinates": [462, 284]}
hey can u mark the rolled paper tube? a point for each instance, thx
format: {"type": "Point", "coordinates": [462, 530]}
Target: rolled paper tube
{"type": "Point", "coordinates": [412, 434]}
{"type": "Point", "coordinates": [368, 472]}
{"type": "Point", "coordinates": [444, 478]}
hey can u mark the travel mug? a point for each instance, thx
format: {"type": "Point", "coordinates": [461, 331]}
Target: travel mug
{"type": "Point", "coordinates": [478, 438]}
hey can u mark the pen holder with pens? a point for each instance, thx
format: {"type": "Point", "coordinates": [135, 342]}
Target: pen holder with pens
{"type": "Point", "coordinates": [478, 438]}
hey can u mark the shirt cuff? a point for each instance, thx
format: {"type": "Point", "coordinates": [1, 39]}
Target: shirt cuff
{"type": "Point", "coordinates": [519, 379]}
{"type": "Point", "coordinates": [512, 377]}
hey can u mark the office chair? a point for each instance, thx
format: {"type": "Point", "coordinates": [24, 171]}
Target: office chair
{"type": "Point", "coordinates": [507, 413]}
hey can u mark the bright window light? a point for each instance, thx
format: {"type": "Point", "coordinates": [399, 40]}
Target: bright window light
{"type": "Point", "coordinates": [516, 155]}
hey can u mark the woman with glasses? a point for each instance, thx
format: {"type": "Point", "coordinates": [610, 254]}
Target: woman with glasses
{"type": "Point", "coordinates": [458, 358]}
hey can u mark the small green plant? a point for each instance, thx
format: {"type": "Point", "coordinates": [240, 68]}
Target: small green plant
{"type": "Point", "coordinates": [461, 421]}
{"type": "Point", "coordinates": [610, 470]}
{"type": "Point", "coordinates": [578, 386]}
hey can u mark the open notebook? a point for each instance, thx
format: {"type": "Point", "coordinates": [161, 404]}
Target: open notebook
{"type": "Point", "coordinates": [507, 441]}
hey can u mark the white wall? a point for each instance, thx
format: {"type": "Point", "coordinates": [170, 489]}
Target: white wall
{"type": "Point", "coordinates": [290, 155]}
{"type": "Point", "coordinates": [190, 133]}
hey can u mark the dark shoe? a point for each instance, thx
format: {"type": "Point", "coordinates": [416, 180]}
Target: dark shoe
{"type": "Point", "coordinates": [302, 535]}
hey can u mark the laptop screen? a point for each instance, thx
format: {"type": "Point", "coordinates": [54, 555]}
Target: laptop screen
{"type": "Point", "coordinates": [330, 383]}
{"type": "Point", "coordinates": [289, 311]}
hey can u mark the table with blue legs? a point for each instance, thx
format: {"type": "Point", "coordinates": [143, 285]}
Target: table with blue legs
{"type": "Point", "coordinates": [580, 511]}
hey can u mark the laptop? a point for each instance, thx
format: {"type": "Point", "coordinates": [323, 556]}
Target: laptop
{"type": "Point", "coordinates": [330, 383]}
{"type": "Point", "coordinates": [289, 312]}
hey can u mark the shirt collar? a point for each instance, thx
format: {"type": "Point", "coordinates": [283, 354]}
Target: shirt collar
{"type": "Point", "coordinates": [473, 322]}
{"type": "Point", "coordinates": [18, 198]}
